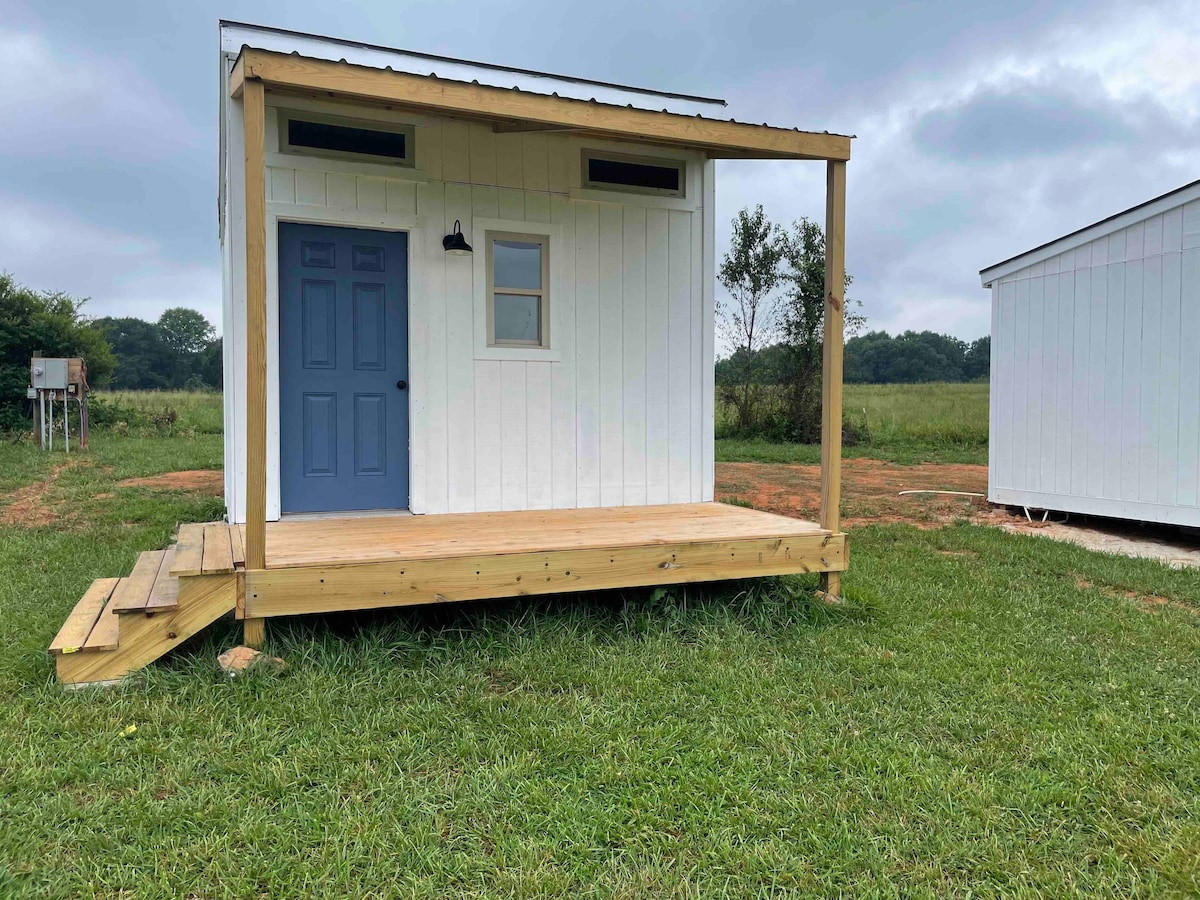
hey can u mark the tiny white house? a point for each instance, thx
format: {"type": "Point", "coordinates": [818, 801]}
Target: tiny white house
{"type": "Point", "coordinates": [1095, 379]}
{"type": "Point", "coordinates": [468, 321]}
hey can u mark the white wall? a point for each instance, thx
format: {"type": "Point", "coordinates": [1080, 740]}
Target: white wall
{"type": "Point", "coordinates": [1096, 375]}
{"type": "Point", "coordinates": [621, 412]}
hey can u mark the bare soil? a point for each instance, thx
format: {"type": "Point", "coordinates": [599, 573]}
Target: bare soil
{"type": "Point", "coordinates": [870, 491]}
{"type": "Point", "coordinates": [210, 482]}
{"type": "Point", "coordinates": [29, 506]}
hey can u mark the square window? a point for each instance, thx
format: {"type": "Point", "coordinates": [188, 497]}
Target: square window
{"type": "Point", "coordinates": [518, 269]}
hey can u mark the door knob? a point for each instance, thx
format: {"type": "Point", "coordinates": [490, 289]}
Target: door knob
{"type": "Point", "coordinates": [402, 384]}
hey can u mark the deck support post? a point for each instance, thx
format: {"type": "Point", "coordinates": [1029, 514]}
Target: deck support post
{"type": "Point", "coordinates": [831, 366]}
{"type": "Point", "coordinates": [253, 106]}
{"type": "Point", "coordinates": [254, 632]}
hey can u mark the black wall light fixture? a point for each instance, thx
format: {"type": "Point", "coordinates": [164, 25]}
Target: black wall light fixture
{"type": "Point", "coordinates": [454, 243]}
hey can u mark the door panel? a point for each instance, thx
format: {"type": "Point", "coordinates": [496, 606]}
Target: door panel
{"type": "Point", "coordinates": [343, 347]}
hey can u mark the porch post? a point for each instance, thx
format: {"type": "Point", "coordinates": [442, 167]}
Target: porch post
{"type": "Point", "coordinates": [831, 369]}
{"type": "Point", "coordinates": [256, 338]}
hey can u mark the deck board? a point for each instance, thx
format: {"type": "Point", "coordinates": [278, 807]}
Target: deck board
{"type": "Point", "coordinates": [133, 592]}
{"type": "Point", "coordinates": [189, 551]}
{"type": "Point", "coordinates": [74, 632]}
{"type": "Point", "coordinates": [217, 558]}
{"type": "Point", "coordinates": [344, 541]}
{"type": "Point", "coordinates": [165, 593]}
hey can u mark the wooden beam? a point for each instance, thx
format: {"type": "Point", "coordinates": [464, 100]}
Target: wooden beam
{"type": "Point", "coordinates": [339, 79]}
{"type": "Point", "coordinates": [311, 589]}
{"type": "Point", "coordinates": [831, 367]}
{"type": "Point", "coordinates": [254, 632]}
{"type": "Point", "coordinates": [237, 78]}
{"type": "Point", "coordinates": [254, 111]}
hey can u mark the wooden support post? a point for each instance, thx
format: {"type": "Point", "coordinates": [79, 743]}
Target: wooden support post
{"type": "Point", "coordinates": [254, 632]}
{"type": "Point", "coordinates": [831, 369]}
{"type": "Point", "coordinates": [256, 327]}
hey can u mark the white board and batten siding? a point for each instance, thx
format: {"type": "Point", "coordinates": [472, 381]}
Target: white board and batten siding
{"type": "Point", "coordinates": [1095, 380]}
{"type": "Point", "coordinates": [620, 411]}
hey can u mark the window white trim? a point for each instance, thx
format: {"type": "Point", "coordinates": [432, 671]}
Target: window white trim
{"type": "Point", "coordinates": [480, 228]}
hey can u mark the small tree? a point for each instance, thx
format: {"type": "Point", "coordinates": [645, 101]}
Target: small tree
{"type": "Point", "coordinates": [802, 322]}
{"type": "Point", "coordinates": [185, 333]}
{"type": "Point", "coordinates": [750, 272]}
{"type": "Point", "coordinates": [33, 321]}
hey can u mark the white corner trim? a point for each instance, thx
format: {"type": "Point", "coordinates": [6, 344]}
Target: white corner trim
{"type": "Point", "coordinates": [479, 229]}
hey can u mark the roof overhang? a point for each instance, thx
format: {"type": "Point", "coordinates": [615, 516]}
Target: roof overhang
{"type": "Point", "coordinates": [292, 73]}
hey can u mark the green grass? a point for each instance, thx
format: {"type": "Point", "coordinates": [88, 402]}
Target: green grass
{"type": "Point", "coordinates": [200, 410]}
{"type": "Point", "coordinates": [903, 423]}
{"type": "Point", "coordinates": [987, 715]}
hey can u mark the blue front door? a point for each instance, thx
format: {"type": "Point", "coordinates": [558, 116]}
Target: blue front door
{"type": "Point", "coordinates": [343, 366]}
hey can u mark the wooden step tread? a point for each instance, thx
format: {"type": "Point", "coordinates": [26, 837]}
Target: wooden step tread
{"type": "Point", "coordinates": [210, 548]}
{"type": "Point", "coordinates": [133, 592]}
{"type": "Point", "coordinates": [165, 593]}
{"type": "Point", "coordinates": [74, 634]}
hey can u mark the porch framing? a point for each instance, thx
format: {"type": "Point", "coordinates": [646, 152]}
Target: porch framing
{"type": "Point", "coordinates": [257, 71]}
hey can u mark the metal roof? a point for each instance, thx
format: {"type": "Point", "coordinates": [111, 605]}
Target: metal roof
{"type": "Point", "coordinates": [236, 34]}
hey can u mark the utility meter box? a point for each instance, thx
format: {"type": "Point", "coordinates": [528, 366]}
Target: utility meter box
{"type": "Point", "coordinates": [48, 374]}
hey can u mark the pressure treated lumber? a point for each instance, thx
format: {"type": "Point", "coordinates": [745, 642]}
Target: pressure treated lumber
{"type": "Point", "coordinates": [134, 591]}
{"type": "Point", "coordinates": [718, 138]}
{"type": "Point", "coordinates": [831, 368]}
{"type": "Point", "coordinates": [74, 632]}
{"type": "Point", "coordinates": [310, 589]}
{"type": "Point", "coordinates": [254, 112]}
{"type": "Point", "coordinates": [189, 551]}
{"type": "Point", "coordinates": [145, 637]}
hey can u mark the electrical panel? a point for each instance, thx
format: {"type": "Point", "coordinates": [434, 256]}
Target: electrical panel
{"type": "Point", "coordinates": [49, 374]}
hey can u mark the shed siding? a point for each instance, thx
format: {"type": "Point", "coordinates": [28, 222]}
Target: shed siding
{"type": "Point", "coordinates": [1096, 375]}
{"type": "Point", "coordinates": [615, 417]}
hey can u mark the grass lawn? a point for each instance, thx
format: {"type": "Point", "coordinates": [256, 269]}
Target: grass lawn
{"type": "Point", "coordinates": [902, 423]}
{"type": "Point", "coordinates": [989, 714]}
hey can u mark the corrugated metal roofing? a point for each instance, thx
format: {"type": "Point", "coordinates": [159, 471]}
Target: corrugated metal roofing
{"type": "Point", "coordinates": [236, 34]}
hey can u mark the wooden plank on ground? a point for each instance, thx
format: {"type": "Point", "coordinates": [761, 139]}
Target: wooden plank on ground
{"type": "Point", "coordinates": [189, 551]}
{"type": "Point", "coordinates": [73, 634]}
{"type": "Point", "coordinates": [218, 552]}
{"type": "Point", "coordinates": [107, 628]}
{"type": "Point", "coordinates": [165, 593]}
{"type": "Point", "coordinates": [133, 592]}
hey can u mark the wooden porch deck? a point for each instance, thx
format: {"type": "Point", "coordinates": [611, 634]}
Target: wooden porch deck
{"type": "Point", "coordinates": [348, 563]}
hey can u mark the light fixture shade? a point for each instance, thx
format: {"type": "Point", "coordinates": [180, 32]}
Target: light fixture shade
{"type": "Point", "coordinates": [454, 243]}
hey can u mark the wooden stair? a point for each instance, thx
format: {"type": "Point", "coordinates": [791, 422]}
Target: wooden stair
{"type": "Point", "coordinates": [121, 625]}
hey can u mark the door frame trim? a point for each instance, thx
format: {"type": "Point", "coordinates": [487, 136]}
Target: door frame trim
{"type": "Point", "coordinates": [302, 214]}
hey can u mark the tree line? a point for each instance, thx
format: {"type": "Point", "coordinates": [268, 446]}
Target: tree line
{"type": "Point", "coordinates": [178, 351]}
{"type": "Point", "coordinates": [877, 358]}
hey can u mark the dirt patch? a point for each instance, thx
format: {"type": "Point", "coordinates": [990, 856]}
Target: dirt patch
{"type": "Point", "coordinates": [199, 481]}
{"type": "Point", "coordinates": [1147, 602]}
{"type": "Point", "coordinates": [870, 491]}
{"type": "Point", "coordinates": [28, 506]}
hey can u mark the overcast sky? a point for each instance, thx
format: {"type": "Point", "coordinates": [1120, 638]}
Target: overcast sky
{"type": "Point", "coordinates": [984, 128]}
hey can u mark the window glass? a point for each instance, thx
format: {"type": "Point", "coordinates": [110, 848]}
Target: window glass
{"type": "Point", "coordinates": [518, 318]}
{"type": "Point", "coordinates": [612, 171]}
{"type": "Point", "coordinates": [517, 264]}
{"type": "Point", "coordinates": [304, 133]}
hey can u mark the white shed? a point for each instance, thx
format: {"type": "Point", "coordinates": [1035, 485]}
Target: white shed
{"type": "Point", "coordinates": [1095, 380]}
